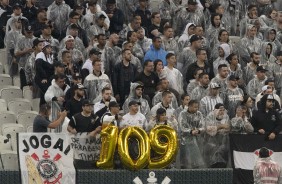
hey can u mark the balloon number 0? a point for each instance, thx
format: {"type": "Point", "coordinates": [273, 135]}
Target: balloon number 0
{"type": "Point", "coordinates": [162, 140]}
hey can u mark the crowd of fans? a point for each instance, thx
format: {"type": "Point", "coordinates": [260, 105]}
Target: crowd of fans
{"type": "Point", "coordinates": [169, 62]}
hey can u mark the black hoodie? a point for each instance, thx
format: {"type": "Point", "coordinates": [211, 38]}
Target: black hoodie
{"type": "Point", "coordinates": [269, 121]}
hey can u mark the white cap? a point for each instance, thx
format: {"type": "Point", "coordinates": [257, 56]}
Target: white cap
{"type": "Point", "coordinates": [264, 88]}
{"type": "Point", "coordinates": [69, 37]}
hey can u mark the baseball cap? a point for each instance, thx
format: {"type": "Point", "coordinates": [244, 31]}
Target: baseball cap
{"type": "Point", "coordinates": [16, 6]}
{"type": "Point", "coordinates": [113, 104]}
{"type": "Point", "coordinates": [195, 38]}
{"type": "Point", "coordinates": [261, 69]}
{"type": "Point", "coordinates": [76, 76]}
{"type": "Point", "coordinates": [270, 97]}
{"type": "Point", "coordinates": [233, 77]}
{"type": "Point", "coordinates": [68, 38]}
{"type": "Point", "coordinates": [78, 86]}
{"type": "Point", "coordinates": [264, 88]}
{"type": "Point", "coordinates": [28, 28]}
{"type": "Point", "coordinates": [86, 102]}
{"type": "Point", "coordinates": [213, 85]}
{"type": "Point", "coordinates": [94, 51]}
{"type": "Point", "coordinates": [45, 44]}
{"type": "Point", "coordinates": [193, 2]}
{"type": "Point", "coordinates": [133, 103]}
{"type": "Point", "coordinates": [37, 41]}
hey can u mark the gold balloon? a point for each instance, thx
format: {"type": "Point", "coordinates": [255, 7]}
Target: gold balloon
{"type": "Point", "coordinates": [109, 136]}
{"type": "Point", "coordinates": [144, 148]}
{"type": "Point", "coordinates": [163, 141]}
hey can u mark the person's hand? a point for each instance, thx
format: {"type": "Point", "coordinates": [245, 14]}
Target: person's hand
{"type": "Point", "coordinates": [155, 32]}
{"type": "Point", "coordinates": [195, 132]}
{"type": "Point", "coordinates": [272, 136]}
{"type": "Point", "coordinates": [73, 131]}
{"type": "Point", "coordinates": [96, 131]}
{"type": "Point", "coordinates": [60, 99]}
{"type": "Point", "coordinates": [107, 103]}
{"type": "Point", "coordinates": [63, 114]}
{"type": "Point", "coordinates": [28, 50]}
{"type": "Point", "coordinates": [261, 131]}
{"type": "Point", "coordinates": [44, 81]}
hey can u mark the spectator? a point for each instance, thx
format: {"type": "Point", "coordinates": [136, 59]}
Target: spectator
{"type": "Point", "coordinates": [136, 94]}
{"type": "Point", "coordinates": [169, 42]}
{"type": "Point", "coordinates": [29, 11]}
{"type": "Point", "coordinates": [156, 51]}
{"type": "Point", "coordinates": [221, 77]}
{"type": "Point", "coordinates": [268, 90]}
{"type": "Point", "coordinates": [145, 14]}
{"type": "Point", "coordinates": [208, 102]}
{"type": "Point", "coordinates": [76, 79]}
{"type": "Point", "coordinates": [8, 10]}
{"type": "Point", "coordinates": [57, 90]}
{"type": "Point", "coordinates": [93, 81]}
{"type": "Point", "coordinates": [136, 49]}
{"type": "Point", "coordinates": [165, 104]}
{"type": "Point", "coordinates": [133, 117]}
{"type": "Point", "coordinates": [41, 121]}
{"type": "Point", "coordinates": [104, 85]}
{"type": "Point", "coordinates": [70, 69]}
{"type": "Point", "coordinates": [159, 68]}
{"type": "Point", "coordinates": [189, 55]}
{"type": "Point", "coordinates": [73, 30]}
{"type": "Point", "coordinates": [185, 99]}
{"type": "Point", "coordinates": [184, 39]}
{"type": "Point", "coordinates": [124, 73]}
{"type": "Point", "coordinates": [88, 64]}
{"type": "Point", "coordinates": [41, 21]}
{"type": "Point", "coordinates": [193, 83]}
{"type": "Point", "coordinates": [235, 67]}
{"type": "Point", "coordinates": [250, 69]}
{"type": "Point", "coordinates": [275, 71]}
{"type": "Point", "coordinates": [143, 41]}
{"type": "Point", "coordinates": [240, 123]}
{"type": "Point", "coordinates": [92, 11]}
{"type": "Point", "coordinates": [106, 99]}
{"type": "Point", "coordinates": [173, 75]}
{"type": "Point", "coordinates": [115, 15]}
{"type": "Point", "coordinates": [191, 125]}
{"type": "Point", "coordinates": [155, 30]}
{"type": "Point", "coordinates": [134, 25]}
{"type": "Point", "coordinates": [59, 68]}
{"type": "Point", "coordinates": [201, 90]}
{"type": "Point", "coordinates": [112, 114]}
{"type": "Point", "coordinates": [223, 53]}
{"type": "Point", "coordinates": [217, 127]}
{"type": "Point", "coordinates": [213, 30]}
{"type": "Point", "coordinates": [255, 85]}
{"type": "Point", "coordinates": [266, 120]}
{"type": "Point", "coordinates": [99, 26]}
{"type": "Point", "coordinates": [74, 105]}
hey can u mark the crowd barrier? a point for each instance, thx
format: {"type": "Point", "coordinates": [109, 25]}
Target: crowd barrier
{"type": "Point", "coordinates": [193, 176]}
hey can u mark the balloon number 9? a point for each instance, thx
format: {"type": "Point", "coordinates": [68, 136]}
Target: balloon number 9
{"type": "Point", "coordinates": [162, 140]}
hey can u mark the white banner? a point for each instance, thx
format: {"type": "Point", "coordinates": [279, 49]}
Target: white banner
{"type": "Point", "coordinates": [85, 147]}
{"type": "Point", "coordinates": [46, 158]}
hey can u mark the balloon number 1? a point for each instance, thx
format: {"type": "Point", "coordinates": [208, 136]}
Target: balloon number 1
{"type": "Point", "coordinates": [162, 140]}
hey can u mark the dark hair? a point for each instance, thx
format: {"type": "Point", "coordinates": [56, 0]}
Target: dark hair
{"type": "Point", "coordinates": [146, 62]}
{"type": "Point", "coordinates": [264, 152]}
{"type": "Point", "coordinates": [99, 35]}
{"type": "Point", "coordinates": [59, 76]}
{"type": "Point", "coordinates": [65, 52]}
{"type": "Point", "coordinates": [73, 13]}
{"type": "Point", "coordinates": [96, 61]}
{"type": "Point", "coordinates": [44, 108]}
{"type": "Point", "coordinates": [268, 81]}
{"type": "Point", "coordinates": [159, 112]}
{"type": "Point", "coordinates": [192, 102]}
{"type": "Point", "coordinates": [156, 63]}
{"type": "Point", "coordinates": [169, 55]}
{"type": "Point", "coordinates": [251, 6]}
{"type": "Point", "coordinates": [229, 58]}
{"type": "Point", "coordinates": [167, 27]}
{"type": "Point", "coordinates": [213, 16]}
{"type": "Point", "coordinates": [245, 99]}
{"type": "Point", "coordinates": [129, 34]}
{"type": "Point", "coordinates": [156, 38]}
{"type": "Point", "coordinates": [124, 50]}
{"type": "Point", "coordinates": [202, 75]}
{"type": "Point", "coordinates": [220, 33]}
{"type": "Point", "coordinates": [165, 93]}
{"type": "Point", "coordinates": [154, 14]}
{"type": "Point", "coordinates": [221, 66]}
{"type": "Point", "coordinates": [196, 71]}
{"type": "Point", "coordinates": [105, 89]}
{"type": "Point", "coordinates": [253, 54]}
{"type": "Point", "coordinates": [184, 95]}
{"type": "Point", "coordinates": [198, 51]}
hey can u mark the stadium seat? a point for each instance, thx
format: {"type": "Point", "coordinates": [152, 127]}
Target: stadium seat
{"type": "Point", "coordinates": [10, 160]}
{"type": "Point", "coordinates": [19, 105]}
{"type": "Point", "coordinates": [35, 104]}
{"type": "Point", "coordinates": [3, 105]}
{"type": "Point", "coordinates": [17, 81]}
{"type": "Point", "coordinates": [3, 58]}
{"type": "Point", "coordinates": [10, 130]}
{"type": "Point", "coordinates": [10, 92]}
{"type": "Point", "coordinates": [1, 68]}
{"type": "Point", "coordinates": [7, 117]}
{"type": "Point", "coordinates": [27, 93]}
{"type": "Point", "coordinates": [5, 143]}
{"type": "Point", "coordinates": [26, 118]}
{"type": "Point", "coordinates": [5, 80]}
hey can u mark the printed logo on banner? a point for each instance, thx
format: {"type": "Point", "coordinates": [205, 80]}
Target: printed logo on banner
{"type": "Point", "coordinates": [46, 158]}
{"type": "Point", "coordinates": [152, 179]}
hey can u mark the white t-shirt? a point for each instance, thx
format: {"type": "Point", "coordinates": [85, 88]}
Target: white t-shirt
{"type": "Point", "coordinates": [88, 65]}
{"type": "Point", "coordinates": [138, 120]}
